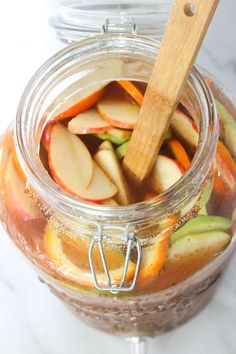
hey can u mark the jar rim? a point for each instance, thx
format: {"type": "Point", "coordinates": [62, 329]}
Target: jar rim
{"type": "Point", "coordinates": [61, 201]}
{"type": "Point", "coordinates": [77, 19]}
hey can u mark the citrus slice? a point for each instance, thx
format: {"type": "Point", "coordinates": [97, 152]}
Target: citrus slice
{"type": "Point", "coordinates": [153, 260]}
{"type": "Point", "coordinates": [79, 102]}
{"type": "Point", "coordinates": [71, 259]}
{"type": "Point", "coordinates": [132, 90]}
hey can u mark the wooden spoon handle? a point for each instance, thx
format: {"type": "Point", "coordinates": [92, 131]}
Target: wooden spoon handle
{"type": "Point", "coordinates": [186, 29]}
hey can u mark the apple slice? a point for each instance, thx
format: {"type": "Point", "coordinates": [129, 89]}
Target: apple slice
{"type": "Point", "coordinates": [205, 242]}
{"type": "Point", "coordinates": [69, 159]}
{"type": "Point", "coordinates": [88, 122]}
{"type": "Point", "coordinates": [110, 202]}
{"type": "Point", "coordinates": [108, 161]}
{"type": "Point", "coordinates": [105, 145]}
{"type": "Point", "coordinates": [188, 255]}
{"type": "Point", "coordinates": [115, 135]}
{"type": "Point", "coordinates": [165, 173]}
{"type": "Point", "coordinates": [71, 166]}
{"type": "Point", "coordinates": [202, 223]}
{"type": "Point", "coordinates": [117, 109]}
{"type": "Point", "coordinates": [78, 102]}
{"type": "Point", "coordinates": [45, 139]}
{"type": "Point", "coordinates": [18, 202]}
{"type": "Point", "coordinates": [185, 128]}
{"type": "Point", "coordinates": [230, 141]}
{"type": "Point", "coordinates": [121, 151]}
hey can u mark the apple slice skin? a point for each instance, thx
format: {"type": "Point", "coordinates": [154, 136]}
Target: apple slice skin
{"type": "Point", "coordinates": [16, 199]}
{"type": "Point", "coordinates": [185, 128]}
{"type": "Point", "coordinates": [117, 109]}
{"type": "Point", "coordinates": [202, 223]}
{"type": "Point", "coordinates": [212, 242]}
{"type": "Point", "coordinates": [69, 159]}
{"type": "Point", "coordinates": [108, 161]}
{"type": "Point", "coordinates": [165, 173]}
{"type": "Point", "coordinates": [115, 135]}
{"type": "Point", "coordinates": [188, 256]}
{"type": "Point", "coordinates": [93, 193]}
{"type": "Point", "coordinates": [88, 122]}
{"type": "Point", "coordinates": [45, 139]}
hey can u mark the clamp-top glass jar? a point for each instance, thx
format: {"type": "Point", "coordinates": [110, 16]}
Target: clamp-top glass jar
{"type": "Point", "coordinates": [137, 269]}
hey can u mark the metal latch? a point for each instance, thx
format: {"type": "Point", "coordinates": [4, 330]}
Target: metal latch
{"type": "Point", "coordinates": [127, 238]}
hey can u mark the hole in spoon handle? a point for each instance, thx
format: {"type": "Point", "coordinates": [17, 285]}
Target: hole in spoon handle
{"type": "Point", "coordinates": [189, 9]}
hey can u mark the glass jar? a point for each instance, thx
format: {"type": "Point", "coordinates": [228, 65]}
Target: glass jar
{"type": "Point", "coordinates": [46, 223]}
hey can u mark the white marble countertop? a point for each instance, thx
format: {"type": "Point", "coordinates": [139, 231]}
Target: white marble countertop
{"type": "Point", "coordinates": [32, 320]}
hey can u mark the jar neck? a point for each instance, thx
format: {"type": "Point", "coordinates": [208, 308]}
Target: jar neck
{"type": "Point", "coordinates": [73, 63]}
{"type": "Point", "coordinates": [78, 20]}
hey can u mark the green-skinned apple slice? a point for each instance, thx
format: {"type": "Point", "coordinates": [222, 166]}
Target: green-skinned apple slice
{"type": "Point", "coordinates": [230, 137]}
{"type": "Point", "coordinates": [105, 145]}
{"type": "Point", "coordinates": [109, 163]}
{"type": "Point", "coordinates": [69, 159]}
{"type": "Point", "coordinates": [201, 224]}
{"type": "Point", "coordinates": [166, 172]}
{"type": "Point", "coordinates": [88, 122]}
{"type": "Point", "coordinates": [115, 135]}
{"type": "Point", "coordinates": [210, 243]}
{"type": "Point", "coordinates": [185, 128]}
{"type": "Point", "coordinates": [225, 116]}
{"type": "Point", "coordinates": [117, 109]}
{"type": "Point", "coordinates": [121, 150]}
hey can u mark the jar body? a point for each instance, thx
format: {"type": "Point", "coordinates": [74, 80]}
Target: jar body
{"type": "Point", "coordinates": [158, 302]}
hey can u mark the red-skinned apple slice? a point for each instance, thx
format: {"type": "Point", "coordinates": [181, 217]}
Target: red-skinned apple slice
{"type": "Point", "coordinates": [88, 122]}
{"type": "Point", "coordinates": [185, 128]}
{"type": "Point", "coordinates": [17, 200]}
{"type": "Point", "coordinates": [165, 173]}
{"type": "Point", "coordinates": [69, 159]}
{"type": "Point", "coordinates": [108, 161]}
{"type": "Point", "coordinates": [45, 139]}
{"type": "Point", "coordinates": [117, 109]}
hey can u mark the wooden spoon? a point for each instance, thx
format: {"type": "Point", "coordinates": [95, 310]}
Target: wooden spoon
{"type": "Point", "coordinates": [185, 31]}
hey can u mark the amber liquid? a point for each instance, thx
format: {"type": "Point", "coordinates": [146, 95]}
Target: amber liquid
{"type": "Point", "coordinates": [158, 302]}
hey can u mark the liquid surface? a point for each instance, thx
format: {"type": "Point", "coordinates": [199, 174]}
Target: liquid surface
{"type": "Point", "coordinates": [82, 149]}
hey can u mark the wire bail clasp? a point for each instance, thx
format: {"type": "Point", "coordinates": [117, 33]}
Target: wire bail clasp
{"type": "Point", "coordinates": [127, 238]}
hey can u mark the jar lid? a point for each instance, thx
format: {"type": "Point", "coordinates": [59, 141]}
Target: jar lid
{"type": "Point", "coordinates": [79, 19]}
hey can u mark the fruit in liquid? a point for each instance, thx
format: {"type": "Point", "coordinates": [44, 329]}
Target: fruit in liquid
{"type": "Point", "coordinates": [82, 148]}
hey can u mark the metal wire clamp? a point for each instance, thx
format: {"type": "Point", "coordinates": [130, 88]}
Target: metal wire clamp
{"type": "Point", "coordinates": [130, 240]}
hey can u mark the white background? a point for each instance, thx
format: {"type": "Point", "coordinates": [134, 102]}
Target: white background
{"type": "Point", "coordinates": [32, 321]}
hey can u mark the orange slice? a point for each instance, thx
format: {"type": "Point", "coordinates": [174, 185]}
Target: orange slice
{"type": "Point", "coordinates": [179, 152]}
{"type": "Point", "coordinates": [132, 90]}
{"type": "Point", "coordinates": [226, 157]}
{"type": "Point", "coordinates": [70, 257]}
{"type": "Point", "coordinates": [79, 102]}
{"type": "Point", "coordinates": [153, 260]}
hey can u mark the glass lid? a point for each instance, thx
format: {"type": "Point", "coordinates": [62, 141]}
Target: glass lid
{"type": "Point", "coordinates": [79, 19]}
